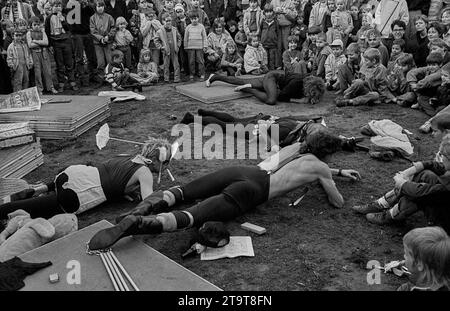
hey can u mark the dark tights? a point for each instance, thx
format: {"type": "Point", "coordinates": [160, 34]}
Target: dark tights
{"type": "Point", "coordinates": [44, 206]}
{"type": "Point", "coordinates": [265, 88]}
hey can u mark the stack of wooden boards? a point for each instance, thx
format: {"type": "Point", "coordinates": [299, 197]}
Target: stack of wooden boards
{"type": "Point", "coordinates": [61, 117]}
{"type": "Point", "coordinates": [20, 150]}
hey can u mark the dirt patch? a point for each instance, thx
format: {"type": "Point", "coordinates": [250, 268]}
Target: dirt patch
{"type": "Point", "coordinates": [309, 247]}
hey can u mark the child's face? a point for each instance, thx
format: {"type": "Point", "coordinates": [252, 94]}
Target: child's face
{"type": "Point", "coordinates": [420, 25]}
{"type": "Point", "coordinates": [9, 28]}
{"type": "Point", "coordinates": [337, 50]}
{"type": "Point", "coordinates": [57, 8]}
{"type": "Point", "coordinates": [48, 9]}
{"type": "Point", "coordinates": [432, 33]}
{"type": "Point", "coordinates": [331, 5]}
{"type": "Point", "coordinates": [253, 5]}
{"type": "Point", "coordinates": [320, 43]}
{"type": "Point", "coordinates": [396, 49]}
{"type": "Point", "coordinates": [168, 4]}
{"type": "Point", "coordinates": [118, 59]}
{"type": "Point", "coordinates": [255, 43]}
{"type": "Point", "coordinates": [313, 37]}
{"type": "Point", "coordinates": [292, 45]}
{"type": "Point", "coordinates": [143, 4]}
{"type": "Point", "coordinates": [366, 8]}
{"type": "Point", "coordinates": [373, 41]}
{"type": "Point", "coordinates": [35, 26]}
{"type": "Point", "coordinates": [445, 77]}
{"type": "Point", "coordinates": [365, 21]}
{"type": "Point", "coordinates": [100, 9]}
{"type": "Point", "coordinates": [410, 265]}
{"type": "Point", "coordinates": [268, 14]}
{"type": "Point", "coordinates": [218, 30]}
{"type": "Point", "coordinates": [231, 49]}
{"type": "Point", "coordinates": [168, 23]}
{"type": "Point", "coordinates": [352, 56]}
{"type": "Point", "coordinates": [398, 32]}
{"type": "Point", "coordinates": [194, 21]}
{"type": "Point", "coordinates": [232, 28]}
{"type": "Point", "coordinates": [340, 5]}
{"type": "Point", "coordinates": [122, 26]}
{"type": "Point", "coordinates": [433, 67]}
{"type": "Point", "coordinates": [146, 58]}
{"type": "Point", "coordinates": [300, 20]}
{"type": "Point", "coordinates": [17, 37]}
{"type": "Point", "coordinates": [446, 18]}
{"type": "Point", "coordinates": [240, 27]}
{"type": "Point", "coordinates": [437, 49]}
{"type": "Point", "coordinates": [370, 62]}
{"type": "Point", "coordinates": [354, 10]}
{"type": "Point", "coordinates": [195, 3]}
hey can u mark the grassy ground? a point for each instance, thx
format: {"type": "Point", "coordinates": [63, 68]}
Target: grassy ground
{"type": "Point", "coordinates": [310, 247]}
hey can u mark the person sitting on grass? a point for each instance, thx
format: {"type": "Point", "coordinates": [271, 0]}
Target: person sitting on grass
{"type": "Point", "coordinates": [233, 191]}
{"type": "Point", "coordinates": [424, 186]}
{"type": "Point", "coordinates": [118, 76]}
{"type": "Point", "coordinates": [276, 85]}
{"type": "Point", "coordinates": [255, 57]}
{"type": "Point", "coordinates": [372, 88]}
{"type": "Point", "coordinates": [427, 258]}
{"type": "Point", "coordinates": [79, 188]}
{"type": "Point", "coordinates": [397, 82]}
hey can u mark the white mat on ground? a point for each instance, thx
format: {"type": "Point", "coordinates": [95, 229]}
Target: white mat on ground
{"type": "Point", "coordinates": [121, 96]}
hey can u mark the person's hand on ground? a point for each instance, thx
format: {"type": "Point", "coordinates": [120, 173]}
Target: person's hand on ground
{"type": "Point", "coordinates": [352, 174]}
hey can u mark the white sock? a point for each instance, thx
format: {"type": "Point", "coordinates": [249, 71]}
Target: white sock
{"type": "Point", "coordinates": [394, 211]}
{"type": "Point", "coordinates": [168, 221]}
{"type": "Point", "coordinates": [169, 197]}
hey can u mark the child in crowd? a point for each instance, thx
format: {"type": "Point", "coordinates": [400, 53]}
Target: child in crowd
{"type": "Point", "coordinates": [180, 24]}
{"type": "Point", "coordinates": [38, 43]}
{"type": "Point", "coordinates": [293, 59]}
{"type": "Point", "coordinates": [424, 82]}
{"type": "Point", "coordinates": [103, 32]}
{"type": "Point", "coordinates": [374, 41]}
{"type": "Point", "coordinates": [438, 45]}
{"type": "Point", "coordinates": [269, 37]}
{"type": "Point", "coordinates": [118, 76]}
{"type": "Point", "coordinates": [255, 57]}
{"type": "Point", "coordinates": [122, 40]}
{"type": "Point", "coordinates": [232, 28]}
{"type": "Point", "coordinates": [285, 14]}
{"type": "Point", "coordinates": [397, 82]}
{"type": "Point", "coordinates": [231, 60]}
{"type": "Point", "coordinates": [323, 50]}
{"type": "Point", "coordinates": [301, 30]}
{"type": "Point", "coordinates": [241, 38]}
{"type": "Point", "coordinates": [149, 26]}
{"type": "Point", "coordinates": [442, 97]}
{"type": "Point", "coordinates": [147, 71]}
{"type": "Point", "coordinates": [327, 22]}
{"type": "Point", "coordinates": [217, 39]}
{"type": "Point", "coordinates": [397, 51]}
{"type": "Point", "coordinates": [357, 22]}
{"type": "Point", "coordinates": [169, 8]}
{"type": "Point", "coordinates": [8, 26]}
{"type": "Point", "coordinates": [372, 88]}
{"type": "Point", "coordinates": [19, 60]}
{"type": "Point", "coordinates": [427, 258]}
{"type": "Point", "coordinates": [332, 64]}
{"type": "Point", "coordinates": [349, 71]}
{"type": "Point", "coordinates": [310, 47]}
{"type": "Point", "coordinates": [342, 22]}
{"type": "Point", "coordinates": [202, 16]}
{"type": "Point", "coordinates": [57, 31]}
{"type": "Point", "coordinates": [366, 25]}
{"type": "Point", "coordinates": [195, 43]}
{"type": "Point", "coordinates": [170, 41]}
{"type": "Point", "coordinates": [253, 17]}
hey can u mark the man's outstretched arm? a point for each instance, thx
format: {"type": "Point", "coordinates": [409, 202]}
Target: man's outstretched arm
{"type": "Point", "coordinates": [327, 182]}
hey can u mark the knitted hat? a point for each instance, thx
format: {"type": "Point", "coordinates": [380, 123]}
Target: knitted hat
{"type": "Point", "coordinates": [179, 7]}
{"type": "Point", "coordinates": [337, 42]}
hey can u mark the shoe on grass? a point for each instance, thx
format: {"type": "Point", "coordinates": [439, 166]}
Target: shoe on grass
{"type": "Point", "coordinates": [381, 218]}
{"type": "Point", "coordinates": [415, 106]}
{"type": "Point", "coordinates": [208, 81]}
{"type": "Point", "coordinates": [372, 207]}
{"type": "Point", "coordinates": [426, 127]}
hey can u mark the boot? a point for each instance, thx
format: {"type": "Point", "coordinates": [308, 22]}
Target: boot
{"type": "Point", "coordinates": [146, 207]}
{"type": "Point", "coordinates": [130, 225]}
{"type": "Point", "coordinates": [381, 218]}
{"type": "Point", "coordinates": [372, 207]}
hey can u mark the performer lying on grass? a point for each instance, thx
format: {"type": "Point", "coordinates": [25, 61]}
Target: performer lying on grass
{"type": "Point", "coordinates": [277, 85]}
{"type": "Point", "coordinates": [232, 191]}
{"type": "Point", "coordinates": [424, 186]}
{"type": "Point", "coordinates": [291, 129]}
{"type": "Point", "coordinates": [81, 187]}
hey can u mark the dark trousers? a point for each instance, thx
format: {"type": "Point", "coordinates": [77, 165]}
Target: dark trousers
{"type": "Point", "coordinates": [273, 58]}
{"type": "Point", "coordinates": [195, 56]}
{"type": "Point", "coordinates": [64, 60]}
{"type": "Point", "coordinates": [227, 193]}
{"type": "Point", "coordinates": [83, 44]}
{"type": "Point", "coordinates": [265, 88]}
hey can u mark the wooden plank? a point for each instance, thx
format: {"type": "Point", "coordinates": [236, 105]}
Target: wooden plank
{"type": "Point", "coordinates": [148, 268]}
{"type": "Point", "coordinates": [9, 186]}
{"type": "Point", "coordinates": [25, 170]}
{"type": "Point", "coordinates": [217, 92]}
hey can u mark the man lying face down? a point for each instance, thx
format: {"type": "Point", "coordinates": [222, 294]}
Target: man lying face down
{"type": "Point", "coordinates": [232, 191]}
{"type": "Point", "coordinates": [79, 188]}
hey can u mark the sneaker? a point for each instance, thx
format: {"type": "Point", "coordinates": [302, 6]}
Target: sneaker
{"type": "Point", "coordinates": [381, 218]}
{"type": "Point", "coordinates": [415, 106]}
{"type": "Point", "coordinates": [74, 86]}
{"type": "Point", "coordinates": [372, 207]}
{"type": "Point", "coordinates": [342, 102]}
{"type": "Point", "coordinates": [54, 91]}
{"type": "Point", "coordinates": [426, 127]}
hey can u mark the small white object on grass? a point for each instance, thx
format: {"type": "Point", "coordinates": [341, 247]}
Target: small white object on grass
{"type": "Point", "coordinates": [253, 228]}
